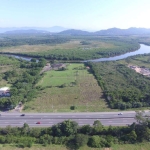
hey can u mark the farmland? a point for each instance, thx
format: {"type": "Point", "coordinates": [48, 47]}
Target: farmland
{"type": "Point", "coordinates": [75, 86]}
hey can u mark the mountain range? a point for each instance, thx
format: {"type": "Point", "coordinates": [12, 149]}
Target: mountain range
{"type": "Point", "coordinates": [63, 31]}
{"type": "Point", "coordinates": [54, 29]}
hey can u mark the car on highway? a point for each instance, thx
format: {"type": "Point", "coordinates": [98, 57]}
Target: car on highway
{"type": "Point", "coordinates": [22, 114]}
{"type": "Point", "coordinates": [120, 114]}
{"type": "Point", "coordinates": [38, 122]}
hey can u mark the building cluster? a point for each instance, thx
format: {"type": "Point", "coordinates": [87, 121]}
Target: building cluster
{"type": "Point", "coordinates": [4, 91]}
{"type": "Point", "coordinates": [55, 66]}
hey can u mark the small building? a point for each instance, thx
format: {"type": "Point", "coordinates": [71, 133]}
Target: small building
{"type": "Point", "coordinates": [4, 91]}
{"type": "Point", "coordinates": [58, 66]}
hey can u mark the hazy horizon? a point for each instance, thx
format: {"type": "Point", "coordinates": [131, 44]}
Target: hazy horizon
{"type": "Point", "coordinates": [42, 28]}
{"type": "Point", "coordinates": [86, 15]}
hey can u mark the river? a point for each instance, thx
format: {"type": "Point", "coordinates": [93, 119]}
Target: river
{"type": "Point", "coordinates": [142, 50]}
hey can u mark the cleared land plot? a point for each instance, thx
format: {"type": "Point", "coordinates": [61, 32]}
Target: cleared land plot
{"type": "Point", "coordinates": [85, 94]}
{"type": "Point", "coordinates": [57, 78]}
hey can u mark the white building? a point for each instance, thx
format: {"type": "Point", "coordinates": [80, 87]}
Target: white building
{"type": "Point", "coordinates": [4, 91]}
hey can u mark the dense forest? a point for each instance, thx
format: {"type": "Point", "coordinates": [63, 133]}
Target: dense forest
{"type": "Point", "coordinates": [29, 39]}
{"type": "Point", "coordinates": [22, 78]}
{"type": "Point", "coordinates": [73, 136]}
{"type": "Point", "coordinates": [122, 86]}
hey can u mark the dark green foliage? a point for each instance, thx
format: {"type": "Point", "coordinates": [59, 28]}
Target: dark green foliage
{"type": "Point", "coordinates": [23, 83]}
{"type": "Point", "coordinates": [73, 107]}
{"type": "Point", "coordinates": [65, 128]}
{"type": "Point", "coordinates": [74, 137]}
{"type": "Point", "coordinates": [81, 140]}
{"type": "Point", "coordinates": [15, 40]}
{"type": "Point", "coordinates": [122, 86]}
{"type": "Point", "coordinates": [94, 141]}
{"type": "Point", "coordinates": [86, 129]}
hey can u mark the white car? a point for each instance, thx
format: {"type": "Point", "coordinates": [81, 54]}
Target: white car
{"type": "Point", "coordinates": [120, 114]}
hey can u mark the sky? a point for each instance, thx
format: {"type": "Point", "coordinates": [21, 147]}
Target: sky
{"type": "Point", "coordinates": [78, 14]}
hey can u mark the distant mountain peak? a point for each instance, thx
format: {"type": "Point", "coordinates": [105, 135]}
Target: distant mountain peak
{"type": "Point", "coordinates": [75, 32]}
{"type": "Point", "coordinates": [55, 29]}
{"type": "Point", "coordinates": [61, 30]}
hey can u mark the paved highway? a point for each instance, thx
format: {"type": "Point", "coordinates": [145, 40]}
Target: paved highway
{"type": "Point", "coordinates": [49, 119]}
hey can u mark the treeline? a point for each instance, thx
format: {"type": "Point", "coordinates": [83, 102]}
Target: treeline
{"type": "Point", "coordinates": [119, 45]}
{"type": "Point", "coordinates": [122, 86]}
{"type": "Point", "coordinates": [23, 80]}
{"type": "Point", "coordinates": [73, 136]}
{"type": "Point", "coordinates": [31, 40]}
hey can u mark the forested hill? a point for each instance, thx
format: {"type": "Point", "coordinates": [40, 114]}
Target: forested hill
{"type": "Point", "coordinates": [107, 32]}
{"type": "Point", "coordinates": [111, 31]}
{"type": "Point", "coordinates": [117, 31]}
{"type": "Point", "coordinates": [75, 32]}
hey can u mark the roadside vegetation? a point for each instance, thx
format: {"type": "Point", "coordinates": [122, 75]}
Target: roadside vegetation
{"type": "Point", "coordinates": [72, 136]}
{"type": "Point", "coordinates": [71, 89]}
{"type": "Point", "coordinates": [123, 87]}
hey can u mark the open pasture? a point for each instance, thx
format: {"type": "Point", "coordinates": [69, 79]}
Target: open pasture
{"type": "Point", "coordinates": [81, 90]}
{"type": "Point", "coordinates": [73, 44]}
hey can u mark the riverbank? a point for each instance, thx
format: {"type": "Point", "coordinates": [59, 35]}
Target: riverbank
{"type": "Point", "coordinates": [142, 50]}
{"type": "Point", "coordinates": [74, 50]}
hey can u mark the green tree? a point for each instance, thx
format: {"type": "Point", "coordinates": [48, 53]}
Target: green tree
{"type": "Point", "coordinates": [131, 136]}
{"type": "Point", "coordinates": [97, 127]}
{"type": "Point", "coordinates": [80, 140]}
{"type": "Point", "coordinates": [68, 127]}
{"type": "Point", "coordinates": [94, 141]}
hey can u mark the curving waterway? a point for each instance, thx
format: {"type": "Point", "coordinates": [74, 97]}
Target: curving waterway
{"type": "Point", "coordinates": [144, 49]}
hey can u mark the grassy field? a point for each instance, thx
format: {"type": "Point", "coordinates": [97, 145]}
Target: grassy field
{"type": "Point", "coordinates": [81, 90]}
{"type": "Point", "coordinates": [57, 78]}
{"type": "Point", "coordinates": [143, 146]}
{"type": "Point", "coordinates": [73, 44]}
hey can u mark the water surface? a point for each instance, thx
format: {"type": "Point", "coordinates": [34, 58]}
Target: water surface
{"type": "Point", "coordinates": [142, 50]}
